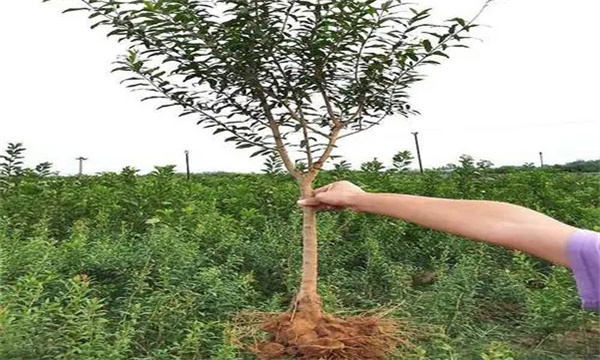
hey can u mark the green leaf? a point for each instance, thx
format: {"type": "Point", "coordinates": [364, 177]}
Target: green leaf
{"type": "Point", "coordinates": [166, 106]}
{"type": "Point", "coordinates": [115, 32]}
{"type": "Point", "coordinates": [259, 152]}
{"type": "Point", "coordinates": [75, 9]}
{"type": "Point", "coordinates": [102, 22]}
{"type": "Point", "coordinates": [427, 45]}
{"type": "Point", "coordinates": [189, 77]}
{"type": "Point", "coordinates": [460, 21]}
{"type": "Point", "coordinates": [244, 146]}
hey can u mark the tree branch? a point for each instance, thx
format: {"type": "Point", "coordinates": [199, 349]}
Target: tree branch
{"type": "Point", "coordinates": [318, 73]}
{"type": "Point", "coordinates": [306, 139]}
{"type": "Point", "coordinates": [365, 128]}
{"type": "Point", "coordinates": [333, 137]}
{"type": "Point", "coordinates": [202, 112]}
{"type": "Point", "coordinates": [363, 44]}
{"type": "Point", "coordinates": [358, 112]}
{"type": "Point", "coordinates": [280, 146]}
{"type": "Point", "coordinates": [294, 114]}
{"type": "Point", "coordinates": [405, 71]}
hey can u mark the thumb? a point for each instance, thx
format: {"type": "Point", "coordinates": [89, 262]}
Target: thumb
{"type": "Point", "coordinates": [309, 202]}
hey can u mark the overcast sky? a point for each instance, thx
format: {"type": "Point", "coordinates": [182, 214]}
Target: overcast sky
{"type": "Point", "coordinates": [532, 84]}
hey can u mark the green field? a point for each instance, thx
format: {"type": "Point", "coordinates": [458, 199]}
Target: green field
{"type": "Point", "coordinates": [120, 266]}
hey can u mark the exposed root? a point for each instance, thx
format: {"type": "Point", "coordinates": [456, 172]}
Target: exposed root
{"type": "Point", "coordinates": [277, 336]}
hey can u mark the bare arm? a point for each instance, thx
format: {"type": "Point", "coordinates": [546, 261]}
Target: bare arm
{"type": "Point", "coordinates": [496, 223]}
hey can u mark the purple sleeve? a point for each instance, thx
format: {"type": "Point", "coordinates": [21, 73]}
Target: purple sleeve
{"type": "Point", "coordinates": [584, 256]}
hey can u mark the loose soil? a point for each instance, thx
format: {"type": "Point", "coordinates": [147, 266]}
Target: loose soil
{"type": "Point", "coordinates": [329, 337]}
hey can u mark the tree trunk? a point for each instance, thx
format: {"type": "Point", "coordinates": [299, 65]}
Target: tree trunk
{"type": "Point", "coordinates": [307, 301]}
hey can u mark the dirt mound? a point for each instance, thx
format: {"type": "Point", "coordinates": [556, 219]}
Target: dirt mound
{"type": "Point", "coordinates": [327, 338]}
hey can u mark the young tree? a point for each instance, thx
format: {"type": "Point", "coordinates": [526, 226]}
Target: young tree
{"type": "Point", "coordinates": [402, 160]}
{"type": "Point", "coordinates": [373, 166]}
{"type": "Point", "coordinates": [43, 169]}
{"type": "Point", "coordinates": [288, 77]}
{"type": "Point", "coordinates": [467, 162]}
{"type": "Point", "coordinates": [483, 164]}
{"type": "Point", "coordinates": [343, 165]}
{"type": "Point", "coordinates": [12, 161]}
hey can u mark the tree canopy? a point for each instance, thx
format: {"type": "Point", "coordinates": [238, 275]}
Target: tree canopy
{"type": "Point", "coordinates": [291, 77]}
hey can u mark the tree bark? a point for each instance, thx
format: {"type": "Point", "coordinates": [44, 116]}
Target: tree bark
{"type": "Point", "coordinates": [308, 301]}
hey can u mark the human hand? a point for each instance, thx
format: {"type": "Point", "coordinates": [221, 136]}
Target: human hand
{"type": "Point", "coordinates": [337, 195]}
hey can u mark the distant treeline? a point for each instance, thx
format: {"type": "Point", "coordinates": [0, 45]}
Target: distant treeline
{"type": "Point", "coordinates": [12, 164]}
{"type": "Point", "coordinates": [579, 166]}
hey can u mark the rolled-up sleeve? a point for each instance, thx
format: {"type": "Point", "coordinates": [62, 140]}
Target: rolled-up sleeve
{"type": "Point", "coordinates": [584, 256]}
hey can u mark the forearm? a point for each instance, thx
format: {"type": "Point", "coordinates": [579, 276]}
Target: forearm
{"type": "Point", "coordinates": [497, 223]}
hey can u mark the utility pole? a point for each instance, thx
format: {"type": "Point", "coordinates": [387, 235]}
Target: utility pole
{"type": "Point", "coordinates": [418, 151]}
{"type": "Point", "coordinates": [541, 159]}
{"type": "Point", "coordinates": [187, 163]}
{"type": "Point", "coordinates": [81, 159]}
